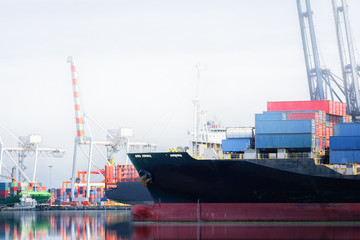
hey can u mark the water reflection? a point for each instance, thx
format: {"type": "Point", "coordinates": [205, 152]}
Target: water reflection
{"type": "Point", "coordinates": [61, 224]}
{"type": "Point", "coordinates": [118, 225]}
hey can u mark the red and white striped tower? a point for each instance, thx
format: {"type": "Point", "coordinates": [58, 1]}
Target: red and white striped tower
{"type": "Point", "coordinates": [80, 136]}
{"type": "Point", "coordinates": [78, 114]}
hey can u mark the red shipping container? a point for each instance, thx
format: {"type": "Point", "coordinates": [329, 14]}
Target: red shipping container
{"type": "Point", "coordinates": [4, 194]}
{"type": "Point", "coordinates": [317, 131]}
{"type": "Point", "coordinates": [325, 105]}
{"type": "Point", "coordinates": [342, 113]}
{"type": "Point", "coordinates": [327, 133]}
{"type": "Point", "coordinates": [333, 106]}
{"type": "Point", "coordinates": [344, 110]}
{"type": "Point", "coordinates": [331, 132]}
{"type": "Point", "coordinates": [109, 174]}
{"type": "Point", "coordinates": [327, 143]}
{"type": "Point", "coordinates": [299, 116]}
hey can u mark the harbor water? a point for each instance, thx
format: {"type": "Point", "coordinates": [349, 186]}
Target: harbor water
{"type": "Point", "coordinates": [115, 224]}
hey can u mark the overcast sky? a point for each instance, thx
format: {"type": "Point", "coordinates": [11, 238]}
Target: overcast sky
{"type": "Point", "coordinates": [136, 66]}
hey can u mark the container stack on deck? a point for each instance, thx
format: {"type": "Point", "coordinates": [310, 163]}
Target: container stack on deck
{"type": "Point", "coordinates": [15, 188]}
{"type": "Point", "coordinates": [345, 144]}
{"type": "Point", "coordinates": [120, 173]}
{"type": "Point", "coordinates": [112, 174]}
{"type": "Point", "coordinates": [63, 195]}
{"type": "Point", "coordinates": [298, 125]}
{"type": "Point", "coordinates": [238, 139]}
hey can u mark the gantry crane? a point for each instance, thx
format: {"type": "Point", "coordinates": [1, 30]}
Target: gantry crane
{"type": "Point", "coordinates": [27, 146]}
{"type": "Point", "coordinates": [323, 84]}
{"type": "Point", "coordinates": [82, 140]}
{"type": "Point", "coordinates": [321, 80]}
{"type": "Point", "coordinates": [349, 67]}
{"type": "Point", "coordinates": [116, 139]}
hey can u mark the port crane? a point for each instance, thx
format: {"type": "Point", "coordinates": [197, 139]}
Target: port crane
{"type": "Point", "coordinates": [323, 84]}
{"type": "Point", "coordinates": [117, 139]}
{"type": "Point", "coordinates": [350, 69]}
{"type": "Point", "coordinates": [27, 146]}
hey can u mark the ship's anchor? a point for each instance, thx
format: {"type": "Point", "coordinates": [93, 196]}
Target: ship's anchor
{"type": "Point", "coordinates": [145, 177]}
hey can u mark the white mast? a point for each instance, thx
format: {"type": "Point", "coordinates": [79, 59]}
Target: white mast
{"type": "Point", "coordinates": [196, 102]}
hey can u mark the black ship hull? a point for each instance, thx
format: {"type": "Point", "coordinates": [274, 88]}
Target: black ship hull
{"type": "Point", "coordinates": [130, 193]}
{"type": "Point", "coordinates": [177, 178]}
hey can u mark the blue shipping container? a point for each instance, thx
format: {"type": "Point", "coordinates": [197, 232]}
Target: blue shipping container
{"type": "Point", "coordinates": [236, 144]}
{"type": "Point", "coordinates": [345, 143]}
{"type": "Point", "coordinates": [285, 126]}
{"type": "Point", "coordinates": [346, 129]}
{"type": "Point", "coordinates": [344, 156]}
{"type": "Point", "coordinates": [285, 141]}
{"type": "Point", "coordinates": [266, 117]}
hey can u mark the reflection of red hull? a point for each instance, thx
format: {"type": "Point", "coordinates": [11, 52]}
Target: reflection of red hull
{"type": "Point", "coordinates": [208, 212]}
{"type": "Point", "coordinates": [245, 231]}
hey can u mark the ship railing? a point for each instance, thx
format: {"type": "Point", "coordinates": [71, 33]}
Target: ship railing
{"type": "Point", "coordinates": [291, 155]}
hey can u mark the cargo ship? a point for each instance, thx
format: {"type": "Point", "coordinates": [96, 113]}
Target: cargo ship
{"type": "Point", "coordinates": [123, 185]}
{"type": "Point", "coordinates": [130, 193]}
{"type": "Point", "coordinates": [130, 190]}
{"type": "Point", "coordinates": [287, 177]}
{"type": "Point", "coordinates": [11, 193]}
{"type": "Point", "coordinates": [40, 197]}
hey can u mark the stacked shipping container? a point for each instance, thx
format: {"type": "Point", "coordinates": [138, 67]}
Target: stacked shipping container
{"type": "Point", "coordinates": [299, 135]}
{"type": "Point", "coordinates": [345, 144]}
{"type": "Point", "coordinates": [120, 173]}
{"type": "Point", "coordinates": [285, 134]}
{"type": "Point", "coordinates": [63, 195]}
{"type": "Point", "coordinates": [14, 188]}
{"type": "Point", "coordinates": [113, 174]}
{"type": "Point", "coordinates": [238, 139]}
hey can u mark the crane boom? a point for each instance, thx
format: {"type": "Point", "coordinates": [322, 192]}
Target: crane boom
{"type": "Point", "coordinates": [312, 60]}
{"type": "Point", "coordinates": [78, 114]}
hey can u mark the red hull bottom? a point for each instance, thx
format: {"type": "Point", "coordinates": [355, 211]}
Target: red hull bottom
{"type": "Point", "coordinates": [215, 212]}
{"type": "Point", "coordinates": [260, 231]}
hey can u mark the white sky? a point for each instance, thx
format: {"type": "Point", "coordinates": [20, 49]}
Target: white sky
{"type": "Point", "coordinates": [136, 65]}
